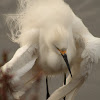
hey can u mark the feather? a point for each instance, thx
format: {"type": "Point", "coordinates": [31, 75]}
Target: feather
{"type": "Point", "coordinates": [67, 89]}
{"type": "Point", "coordinates": [89, 44]}
{"type": "Point", "coordinates": [21, 72]}
{"type": "Point", "coordinates": [22, 62]}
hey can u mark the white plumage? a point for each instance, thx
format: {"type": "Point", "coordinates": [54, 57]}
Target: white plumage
{"type": "Point", "coordinates": [45, 25]}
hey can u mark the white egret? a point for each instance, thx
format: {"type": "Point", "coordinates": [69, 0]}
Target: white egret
{"type": "Point", "coordinates": [53, 40]}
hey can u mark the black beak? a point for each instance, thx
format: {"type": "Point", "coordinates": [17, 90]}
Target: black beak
{"type": "Point", "coordinates": [67, 63]}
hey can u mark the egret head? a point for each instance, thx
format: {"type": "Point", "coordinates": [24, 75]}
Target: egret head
{"type": "Point", "coordinates": [63, 53]}
{"type": "Point", "coordinates": [61, 44]}
{"type": "Point", "coordinates": [54, 49]}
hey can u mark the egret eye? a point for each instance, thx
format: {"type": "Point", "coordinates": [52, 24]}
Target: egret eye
{"type": "Point", "coordinates": [62, 51]}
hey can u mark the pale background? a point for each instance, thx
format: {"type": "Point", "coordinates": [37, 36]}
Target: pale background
{"type": "Point", "coordinates": [89, 12]}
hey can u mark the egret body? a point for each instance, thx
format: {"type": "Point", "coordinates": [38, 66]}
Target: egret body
{"type": "Point", "coordinates": [55, 40]}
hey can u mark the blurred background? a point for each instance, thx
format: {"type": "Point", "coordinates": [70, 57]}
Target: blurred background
{"type": "Point", "coordinates": [89, 12]}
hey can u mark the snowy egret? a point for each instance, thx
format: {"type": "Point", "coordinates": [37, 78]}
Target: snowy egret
{"type": "Point", "coordinates": [53, 40]}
